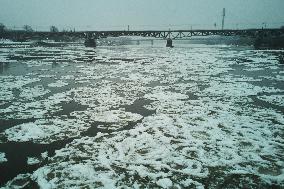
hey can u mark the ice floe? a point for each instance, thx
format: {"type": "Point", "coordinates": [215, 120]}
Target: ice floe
{"type": "Point", "coordinates": [274, 99]}
{"type": "Point", "coordinates": [29, 93]}
{"type": "Point", "coordinates": [19, 182]}
{"type": "Point", "coordinates": [37, 108]}
{"type": "Point", "coordinates": [46, 130]}
{"type": "Point", "coordinates": [33, 161]}
{"type": "Point", "coordinates": [16, 82]}
{"type": "Point", "coordinates": [2, 157]}
{"type": "Point", "coordinates": [207, 130]}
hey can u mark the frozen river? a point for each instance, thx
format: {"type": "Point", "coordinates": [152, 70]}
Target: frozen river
{"type": "Point", "coordinates": [141, 117]}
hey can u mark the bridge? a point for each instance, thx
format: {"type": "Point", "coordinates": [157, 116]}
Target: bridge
{"type": "Point", "coordinates": [169, 35]}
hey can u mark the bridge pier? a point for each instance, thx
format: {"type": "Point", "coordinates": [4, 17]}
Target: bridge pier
{"type": "Point", "coordinates": [169, 43]}
{"type": "Point", "coordinates": [90, 42]}
{"type": "Point", "coordinates": [258, 42]}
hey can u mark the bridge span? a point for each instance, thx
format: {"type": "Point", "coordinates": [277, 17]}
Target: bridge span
{"type": "Point", "coordinates": [91, 36]}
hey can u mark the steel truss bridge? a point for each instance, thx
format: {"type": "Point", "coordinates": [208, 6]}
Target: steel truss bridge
{"type": "Point", "coordinates": [173, 34]}
{"type": "Point", "coordinates": [178, 34]}
{"type": "Point", "coordinates": [170, 34]}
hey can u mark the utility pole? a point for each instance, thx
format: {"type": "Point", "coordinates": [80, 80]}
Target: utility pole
{"type": "Point", "coordinates": [223, 18]}
{"type": "Point", "coordinates": [127, 27]}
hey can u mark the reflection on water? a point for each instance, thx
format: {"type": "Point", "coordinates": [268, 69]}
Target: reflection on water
{"type": "Point", "coordinates": [140, 116]}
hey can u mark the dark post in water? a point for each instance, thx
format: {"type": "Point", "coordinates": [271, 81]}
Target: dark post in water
{"type": "Point", "coordinates": [90, 40]}
{"type": "Point", "coordinates": [169, 43]}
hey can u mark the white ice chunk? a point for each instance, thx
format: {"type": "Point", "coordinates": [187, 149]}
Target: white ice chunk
{"type": "Point", "coordinates": [165, 183]}
{"type": "Point", "coordinates": [2, 157]}
{"type": "Point", "coordinates": [33, 161]}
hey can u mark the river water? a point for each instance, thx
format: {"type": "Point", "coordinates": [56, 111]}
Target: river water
{"type": "Point", "coordinates": [193, 116]}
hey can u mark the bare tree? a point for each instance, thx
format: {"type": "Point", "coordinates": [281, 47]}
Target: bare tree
{"type": "Point", "coordinates": [53, 29]}
{"type": "Point", "coordinates": [28, 28]}
{"type": "Point", "coordinates": [2, 27]}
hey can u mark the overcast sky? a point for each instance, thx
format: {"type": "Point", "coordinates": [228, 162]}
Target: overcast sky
{"type": "Point", "coordinates": [141, 14]}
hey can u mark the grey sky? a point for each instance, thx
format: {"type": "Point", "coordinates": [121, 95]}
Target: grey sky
{"type": "Point", "coordinates": [141, 14]}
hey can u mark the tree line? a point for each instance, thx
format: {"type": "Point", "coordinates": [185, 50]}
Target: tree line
{"type": "Point", "coordinates": [28, 28]}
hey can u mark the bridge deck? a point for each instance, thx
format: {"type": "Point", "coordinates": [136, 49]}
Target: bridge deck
{"type": "Point", "coordinates": [174, 34]}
